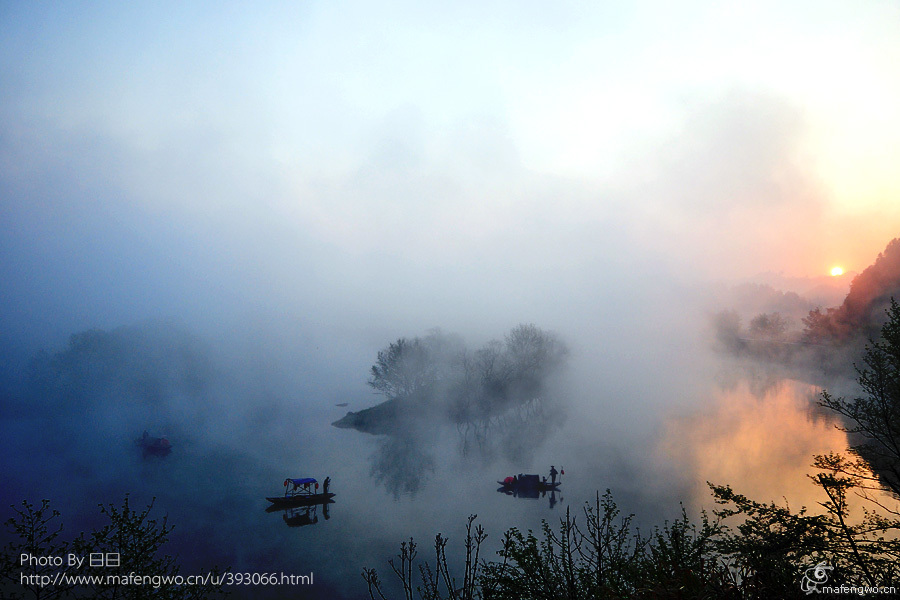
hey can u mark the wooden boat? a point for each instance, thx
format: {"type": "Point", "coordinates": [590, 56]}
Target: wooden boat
{"type": "Point", "coordinates": [153, 446]}
{"type": "Point", "coordinates": [300, 500]}
{"type": "Point", "coordinates": [528, 482]}
{"type": "Point", "coordinates": [302, 492]}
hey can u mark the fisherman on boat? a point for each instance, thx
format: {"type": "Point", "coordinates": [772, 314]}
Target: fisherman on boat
{"type": "Point", "coordinates": [528, 482]}
{"type": "Point", "coordinates": [304, 490]}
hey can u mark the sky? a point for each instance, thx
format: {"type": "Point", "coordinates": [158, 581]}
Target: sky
{"type": "Point", "coordinates": [403, 165]}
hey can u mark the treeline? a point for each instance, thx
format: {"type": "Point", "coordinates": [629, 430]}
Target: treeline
{"type": "Point", "coordinates": [776, 336]}
{"type": "Point", "coordinates": [147, 365]}
{"type": "Point", "coordinates": [860, 315]}
{"type": "Point", "coordinates": [745, 550]}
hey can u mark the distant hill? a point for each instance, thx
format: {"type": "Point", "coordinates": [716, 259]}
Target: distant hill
{"type": "Point", "coordinates": [863, 311]}
{"type": "Point", "coordinates": [824, 290]}
{"type": "Point", "coordinates": [792, 328]}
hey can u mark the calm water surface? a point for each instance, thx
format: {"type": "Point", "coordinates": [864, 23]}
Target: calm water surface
{"type": "Point", "coordinates": [213, 487]}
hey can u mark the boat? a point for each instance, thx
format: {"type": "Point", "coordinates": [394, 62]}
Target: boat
{"type": "Point", "coordinates": [303, 491]}
{"type": "Point", "coordinates": [153, 446]}
{"type": "Point", "coordinates": [528, 482]}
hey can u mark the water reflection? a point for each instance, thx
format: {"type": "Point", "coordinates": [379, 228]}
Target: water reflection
{"type": "Point", "coordinates": [402, 462]}
{"type": "Point", "coordinates": [532, 493]}
{"type": "Point", "coordinates": [300, 516]}
{"type": "Point", "coordinates": [514, 435]}
{"type": "Point", "coordinates": [404, 459]}
{"type": "Point", "coordinates": [758, 439]}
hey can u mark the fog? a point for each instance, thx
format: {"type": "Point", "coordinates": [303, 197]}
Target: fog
{"type": "Point", "coordinates": [249, 205]}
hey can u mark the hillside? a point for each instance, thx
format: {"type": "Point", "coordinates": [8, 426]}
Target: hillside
{"type": "Point", "coordinates": [863, 311]}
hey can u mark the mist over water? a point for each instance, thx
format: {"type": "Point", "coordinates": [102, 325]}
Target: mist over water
{"type": "Point", "coordinates": [245, 379]}
{"type": "Point", "coordinates": [247, 396]}
{"type": "Point", "coordinates": [629, 414]}
{"type": "Point", "coordinates": [211, 222]}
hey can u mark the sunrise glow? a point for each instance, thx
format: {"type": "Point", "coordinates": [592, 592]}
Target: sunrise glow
{"type": "Point", "coordinates": [837, 272]}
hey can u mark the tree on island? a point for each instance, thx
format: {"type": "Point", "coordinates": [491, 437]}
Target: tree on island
{"type": "Point", "coordinates": [438, 369]}
{"type": "Point", "coordinates": [498, 397]}
{"type": "Point", "coordinates": [413, 368]}
{"type": "Point", "coordinates": [437, 377]}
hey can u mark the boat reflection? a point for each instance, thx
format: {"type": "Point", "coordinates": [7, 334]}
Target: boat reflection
{"type": "Point", "coordinates": [531, 493]}
{"type": "Point", "coordinates": [300, 516]}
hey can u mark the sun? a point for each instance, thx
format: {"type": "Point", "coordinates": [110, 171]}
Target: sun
{"type": "Point", "coordinates": [837, 272]}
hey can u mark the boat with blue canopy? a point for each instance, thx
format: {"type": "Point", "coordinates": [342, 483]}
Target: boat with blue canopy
{"type": "Point", "coordinates": [304, 490]}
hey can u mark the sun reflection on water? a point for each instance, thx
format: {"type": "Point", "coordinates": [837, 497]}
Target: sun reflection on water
{"type": "Point", "coordinates": [761, 445]}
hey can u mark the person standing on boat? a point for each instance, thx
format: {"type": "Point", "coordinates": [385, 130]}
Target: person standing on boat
{"type": "Point", "coordinates": [553, 474]}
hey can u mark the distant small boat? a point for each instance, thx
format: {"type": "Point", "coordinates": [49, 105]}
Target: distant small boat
{"type": "Point", "coordinates": [342, 404]}
{"type": "Point", "coordinates": [154, 446]}
{"type": "Point", "coordinates": [302, 492]}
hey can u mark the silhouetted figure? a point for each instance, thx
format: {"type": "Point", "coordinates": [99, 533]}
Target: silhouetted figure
{"type": "Point", "coordinates": [553, 474]}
